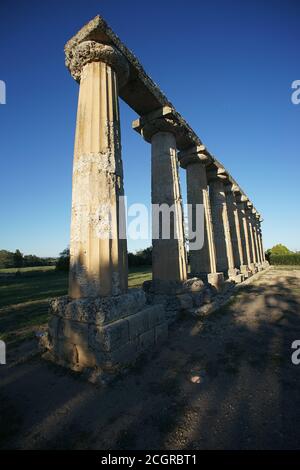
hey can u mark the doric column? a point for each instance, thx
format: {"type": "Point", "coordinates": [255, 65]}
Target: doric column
{"type": "Point", "coordinates": [98, 254]}
{"type": "Point", "coordinates": [241, 227]}
{"type": "Point", "coordinates": [244, 222]}
{"type": "Point", "coordinates": [258, 232]}
{"type": "Point", "coordinates": [248, 211]}
{"type": "Point", "coordinates": [234, 225]}
{"type": "Point", "coordinates": [168, 251]}
{"type": "Point", "coordinates": [256, 243]}
{"type": "Point", "coordinates": [203, 258]}
{"type": "Point", "coordinates": [223, 243]}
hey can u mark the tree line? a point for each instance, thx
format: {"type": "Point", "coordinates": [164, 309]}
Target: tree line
{"type": "Point", "coordinates": [10, 259]}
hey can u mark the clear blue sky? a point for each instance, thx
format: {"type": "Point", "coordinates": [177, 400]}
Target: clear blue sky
{"type": "Point", "coordinates": [227, 66]}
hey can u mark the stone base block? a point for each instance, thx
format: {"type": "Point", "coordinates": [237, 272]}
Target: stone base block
{"type": "Point", "coordinates": [253, 268]}
{"type": "Point", "coordinates": [176, 297]}
{"type": "Point", "coordinates": [103, 334]}
{"type": "Point", "coordinates": [238, 278]}
{"type": "Point", "coordinates": [189, 286]}
{"type": "Point", "coordinates": [245, 270]}
{"type": "Point", "coordinates": [266, 264]}
{"type": "Point", "coordinates": [216, 280]}
{"type": "Point", "coordinates": [232, 273]}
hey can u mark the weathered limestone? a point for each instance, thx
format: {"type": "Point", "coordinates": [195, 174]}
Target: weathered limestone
{"type": "Point", "coordinates": [202, 260]}
{"type": "Point", "coordinates": [255, 218]}
{"type": "Point", "coordinates": [109, 332]}
{"type": "Point", "coordinates": [99, 326]}
{"type": "Point", "coordinates": [98, 254]}
{"type": "Point", "coordinates": [168, 255]}
{"type": "Point", "coordinates": [253, 258]}
{"type": "Point", "coordinates": [223, 243]}
{"type": "Point", "coordinates": [177, 298]}
{"type": "Point", "coordinates": [234, 225]}
{"type": "Point", "coordinates": [242, 237]}
{"type": "Point", "coordinates": [259, 238]}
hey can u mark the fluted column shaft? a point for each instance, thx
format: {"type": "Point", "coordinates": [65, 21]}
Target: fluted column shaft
{"type": "Point", "coordinates": [223, 244]}
{"type": "Point", "coordinates": [244, 233]}
{"type": "Point", "coordinates": [98, 255]}
{"type": "Point", "coordinates": [259, 236]}
{"type": "Point", "coordinates": [168, 256]}
{"type": "Point", "coordinates": [251, 237]}
{"type": "Point", "coordinates": [234, 227]}
{"type": "Point", "coordinates": [202, 260]}
{"type": "Point", "coordinates": [257, 250]}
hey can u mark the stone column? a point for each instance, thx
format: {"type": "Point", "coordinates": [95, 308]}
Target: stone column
{"type": "Point", "coordinates": [168, 254]}
{"type": "Point", "coordinates": [258, 254]}
{"type": "Point", "coordinates": [223, 243]}
{"type": "Point", "coordinates": [258, 231]}
{"type": "Point", "coordinates": [248, 211]}
{"type": "Point", "coordinates": [202, 259]}
{"type": "Point", "coordinates": [240, 219]}
{"type": "Point", "coordinates": [98, 254]}
{"type": "Point", "coordinates": [234, 225]}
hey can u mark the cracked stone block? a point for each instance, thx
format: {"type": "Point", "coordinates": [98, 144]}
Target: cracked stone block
{"type": "Point", "coordinates": [139, 323]}
{"type": "Point", "coordinates": [185, 301]}
{"type": "Point", "coordinates": [161, 333]}
{"type": "Point", "coordinates": [147, 339]}
{"type": "Point", "coordinates": [77, 333]}
{"type": "Point", "coordinates": [99, 310]}
{"type": "Point", "coordinates": [66, 351]}
{"type": "Point", "coordinates": [109, 337]}
{"type": "Point", "coordinates": [156, 315]}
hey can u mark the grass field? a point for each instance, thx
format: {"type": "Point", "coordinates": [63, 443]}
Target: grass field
{"type": "Point", "coordinates": [24, 299]}
{"type": "Point", "coordinates": [27, 270]}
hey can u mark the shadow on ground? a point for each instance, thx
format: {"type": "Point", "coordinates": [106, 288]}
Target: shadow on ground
{"type": "Point", "coordinates": [248, 395]}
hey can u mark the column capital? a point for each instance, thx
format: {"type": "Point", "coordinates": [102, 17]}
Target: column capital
{"type": "Point", "coordinates": [91, 51]}
{"type": "Point", "coordinates": [195, 154]}
{"type": "Point", "coordinates": [231, 188]}
{"type": "Point", "coordinates": [217, 174]}
{"type": "Point", "coordinates": [163, 119]}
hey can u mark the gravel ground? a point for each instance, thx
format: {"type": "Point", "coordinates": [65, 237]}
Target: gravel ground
{"type": "Point", "coordinates": [223, 382]}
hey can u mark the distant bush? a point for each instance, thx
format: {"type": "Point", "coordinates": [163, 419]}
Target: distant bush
{"type": "Point", "coordinates": [278, 249]}
{"type": "Point", "coordinates": [289, 260]}
{"type": "Point", "coordinates": [140, 258]}
{"type": "Point", "coordinates": [9, 259]}
{"type": "Point", "coordinates": [63, 262]}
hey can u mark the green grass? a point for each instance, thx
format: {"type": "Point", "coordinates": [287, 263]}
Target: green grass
{"type": "Point", "coordinates": [285, 267]}
{"type": "Point", "coordinates": [26, 270]}
{"type": "Point", "coordinates": [24, 299]}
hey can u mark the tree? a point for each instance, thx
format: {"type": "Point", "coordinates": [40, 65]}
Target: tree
{"type": "Point", "coordinates": [63, 262]}
{"type": "Point", "coordinates": [278, 249]}
{"type": "Point", "coordinates": [6, 259]}
{"type": "Point", "coordinates": [18, 259]}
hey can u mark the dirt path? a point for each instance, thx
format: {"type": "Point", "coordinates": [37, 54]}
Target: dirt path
{"type": "Point", "coordinates": [248, 395]}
